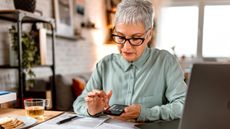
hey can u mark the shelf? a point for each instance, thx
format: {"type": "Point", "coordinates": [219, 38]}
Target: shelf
{"type": "Point", "coordinates": [15, 67]}
{"type": "Point", "coordinates": [12, 15]}
{"type": "Point", "coordinates": [20, 17]}
{"type": "Point", "coordinates": [42, 66]}
{"type": "Point", "coordinates": [74, 38]}
{"type": "Point", "coordinates": [8, 67]}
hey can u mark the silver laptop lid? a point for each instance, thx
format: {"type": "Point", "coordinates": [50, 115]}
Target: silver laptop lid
{"type": "Point", "coordinates": [207, 103]}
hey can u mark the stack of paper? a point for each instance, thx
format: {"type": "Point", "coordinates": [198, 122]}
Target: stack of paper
{"type": "Point", "coordinates": [6, 96]}
{"type": "Point", "coordinates": [85, 123]}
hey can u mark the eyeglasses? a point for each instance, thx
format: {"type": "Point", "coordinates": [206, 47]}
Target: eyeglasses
{"type": "Point", "coordinates": [132, 41]}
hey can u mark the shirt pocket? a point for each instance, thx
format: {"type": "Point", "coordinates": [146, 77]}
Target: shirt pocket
{"type": "Point", "coordinates": [149, 101]}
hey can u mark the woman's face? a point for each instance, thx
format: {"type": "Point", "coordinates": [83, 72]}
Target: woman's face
{"type": "Point", "coordinates": [129, 52]}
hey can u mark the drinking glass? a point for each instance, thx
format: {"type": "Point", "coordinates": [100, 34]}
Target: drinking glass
{"type": "Point", "coordinates": [35, 107]}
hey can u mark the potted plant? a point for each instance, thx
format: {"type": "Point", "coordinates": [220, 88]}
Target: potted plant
{"type": "Point", "coordinates": [30, 52]}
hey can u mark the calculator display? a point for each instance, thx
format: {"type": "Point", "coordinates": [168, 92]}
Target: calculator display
{"type": "Point", "coordinates": [115, 109]}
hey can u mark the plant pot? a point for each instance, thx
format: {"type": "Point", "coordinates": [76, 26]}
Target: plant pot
{"type": "Point", "coordinates": [26, 5]}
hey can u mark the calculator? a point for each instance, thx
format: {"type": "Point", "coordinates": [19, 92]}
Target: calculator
{"type": "Point", "coordinates": [116, 110]}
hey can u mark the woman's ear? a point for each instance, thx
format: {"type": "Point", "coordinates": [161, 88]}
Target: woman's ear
{"type": "Point", "coordinates": [150, 37]}
{"type": "Point", "coordinates": [150, 34]}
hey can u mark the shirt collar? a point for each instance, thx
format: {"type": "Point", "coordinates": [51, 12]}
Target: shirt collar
{"type": "Point", "coordinates": [138, 63]}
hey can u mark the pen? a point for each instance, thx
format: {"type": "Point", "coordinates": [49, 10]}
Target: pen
{"type": "Point", "coordinates": [66, 120]}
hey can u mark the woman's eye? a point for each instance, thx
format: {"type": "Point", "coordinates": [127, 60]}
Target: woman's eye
{"type": "Point", "coordinates": [135, 39]}
{"type": "Point", "coordinates": [120, 38]}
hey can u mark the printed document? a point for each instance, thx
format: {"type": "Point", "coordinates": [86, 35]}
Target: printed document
{"type": "Point", "coordinates": [85, 123]}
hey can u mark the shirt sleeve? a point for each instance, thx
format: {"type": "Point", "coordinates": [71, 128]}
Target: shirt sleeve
{"type": "Point", "coordinates": [94, 82]}
{"type": "Point", "coordinates": [175, 93]}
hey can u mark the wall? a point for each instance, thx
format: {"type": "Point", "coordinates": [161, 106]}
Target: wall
{"type": "Point", "coordinates": [71, 56]}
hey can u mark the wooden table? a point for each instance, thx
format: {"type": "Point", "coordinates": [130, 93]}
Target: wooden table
{"type": "Point", "coordinates": [21, 112]}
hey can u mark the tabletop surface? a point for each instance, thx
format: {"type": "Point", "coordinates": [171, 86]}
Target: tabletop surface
{"type": "Point", "coordinates": [21, 112]}
{"type": "Point", "coordinates": [52, 114]}
{"type": "Point", "coordinates": [174, 124]}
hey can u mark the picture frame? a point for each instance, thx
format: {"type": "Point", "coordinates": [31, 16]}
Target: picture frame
{"type": "Point", "coordinates": [63, 13]}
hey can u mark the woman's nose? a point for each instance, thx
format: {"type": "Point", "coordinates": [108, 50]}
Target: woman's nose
{"type": "Point", "coordinates": [127, 44]}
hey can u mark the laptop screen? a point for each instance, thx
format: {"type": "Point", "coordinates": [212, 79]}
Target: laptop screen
{"type": "Point", "coordinates": [207, 103]}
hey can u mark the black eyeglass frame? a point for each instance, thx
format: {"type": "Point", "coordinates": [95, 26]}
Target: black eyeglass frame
{"type": "Point", "coordinates": [125, 39]}
{"type": "Point", "coordinates": [128, 39]}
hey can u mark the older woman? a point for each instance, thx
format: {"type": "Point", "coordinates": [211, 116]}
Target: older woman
{"type": "Point", "coordinates": [148, 80]}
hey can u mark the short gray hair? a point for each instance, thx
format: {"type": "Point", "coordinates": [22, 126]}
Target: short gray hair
{"type": "Point", "coordinates": [135, 11]}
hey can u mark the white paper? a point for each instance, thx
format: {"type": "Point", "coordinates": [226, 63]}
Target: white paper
{"type": "Point", "coordinates": [122, 123]}
{"type": "Point", "coordinates": [112, 126]}
{"type": "Point", "coordinates": [84, 123]}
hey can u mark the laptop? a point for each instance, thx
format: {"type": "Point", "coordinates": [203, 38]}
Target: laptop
{"type": "Point", "coordinates": [207, 103]}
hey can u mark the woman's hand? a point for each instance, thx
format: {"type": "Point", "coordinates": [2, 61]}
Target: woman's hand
{"type": "Point", "coordinates": [97, 101]}
{"type": "Point", "coordinates": [130, 113]}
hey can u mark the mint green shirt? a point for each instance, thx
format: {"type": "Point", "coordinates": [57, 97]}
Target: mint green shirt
{"type": "Point", "coordinates": [155, 81]}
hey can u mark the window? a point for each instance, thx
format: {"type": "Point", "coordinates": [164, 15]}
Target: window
{"type": "Point", "coordinates": [178, 27]}
{"type": "Point", "coordinates": [216, 41]}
